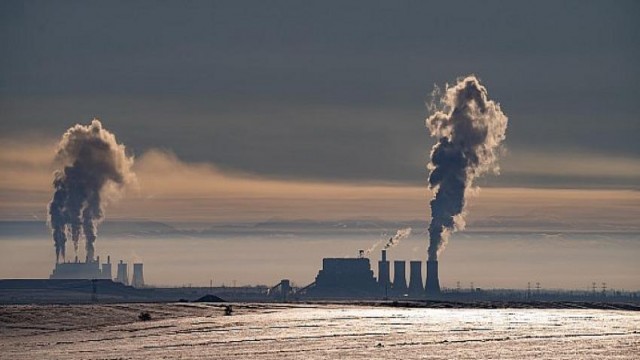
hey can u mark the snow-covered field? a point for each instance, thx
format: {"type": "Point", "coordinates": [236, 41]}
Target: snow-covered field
{"type": "Point", "coordinates": [276, 331]}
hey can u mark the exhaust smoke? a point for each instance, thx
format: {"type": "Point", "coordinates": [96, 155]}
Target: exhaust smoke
{"type": "Point", "coordinates": [470, 129]}
{"type": "Point", "coordinates": [95, 169]}
{"type": "Point", "coordinates": [395, 239]}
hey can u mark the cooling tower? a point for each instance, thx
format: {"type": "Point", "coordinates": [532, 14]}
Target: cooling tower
{"type": "Point", "coordinates": [416, 287]}
{"type": "Point", "coordinates": [122, 275]}
{"type": "Point", "coordinates": [383, 272]}
{"type": "Point", "coordinates": [433, 283]}
{"type": "Point", "coordinates": [138, 278]}
{"type": "Point", "coordinates": [399, 277]}
{"type": "Point", "coordinates": [106, 269]}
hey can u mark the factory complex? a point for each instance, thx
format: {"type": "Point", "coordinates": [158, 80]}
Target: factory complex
{"type": "Point", "coordinates": [93, 270]}
{"type": "Point", "coordinates": [353, 278]}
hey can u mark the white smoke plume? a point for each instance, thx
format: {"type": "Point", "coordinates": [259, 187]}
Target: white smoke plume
{"type": "Point", "coordinates": [395, 239]}
{"type": "Point", "coordinates": [95, 169]}
{"type": "Point", "coordinates": [470, 129]}
{"type": "Point", "coordinates": [376, 244]}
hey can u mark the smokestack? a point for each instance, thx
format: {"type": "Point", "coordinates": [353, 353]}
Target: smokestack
{"type": "Point", "coordinates": [416, 286]}
{"type": "Point", "coordinates": [433, 283]}
{"type": "Point", "coordinates": [122, 275]}
{"type": "Point", "coordinates": [93, 168]}
{"type": "Point", "coordinates": [138, 278]}
{"type": "Point", "coordinates": [399, 277]}
{"type": "Point", "coordinates": [469, 128]}
{"type": "Point", "coordinates": [383, 272]}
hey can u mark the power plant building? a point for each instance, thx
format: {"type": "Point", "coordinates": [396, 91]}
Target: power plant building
{"type": "Point", "coordinates": [345, 277]}
{"type": "Point", "coordinates": [353, 278]}
{"type": "Point", "coordinates": [81, 270]}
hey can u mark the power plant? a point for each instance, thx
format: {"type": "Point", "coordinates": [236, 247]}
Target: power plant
{"type": "Point", "coordinates": [353, 278]}
{"type": "Point", "coordinates": [93, 270]}
{"type": "Point", "coordinates": [344, 278]}
{"type": "Point", "coordinates": [81, 270]}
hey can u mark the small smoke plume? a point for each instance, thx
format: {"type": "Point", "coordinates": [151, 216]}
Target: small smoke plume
{"type": "Point", "coordinates": [470, 129]}
{"type": "Point", "coordinates": [395, 239]}
{"type": "Point", "coordinates": [95, 169]}
{"type": "Point", "coordinates": [376, 244]}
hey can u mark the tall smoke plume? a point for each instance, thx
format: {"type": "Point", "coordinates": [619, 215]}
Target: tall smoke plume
{"type": "Point", "coordinates": [395, 239]}
{"type": "Point", "coordinates": [470, 129]}
{"type": "Point", "coordinates": [95, 169]}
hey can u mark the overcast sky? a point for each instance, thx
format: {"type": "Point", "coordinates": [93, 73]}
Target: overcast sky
{"type": "Point", "coordinates": [330, 90]}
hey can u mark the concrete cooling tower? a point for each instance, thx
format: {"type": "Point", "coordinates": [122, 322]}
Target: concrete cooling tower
{"type": "Point", "coordinates": [433, 282]}
{"type": "Point", "coordinates": [416, 286]}
{"type": "Point", "coordinates": [138, 278]}
{"type": "Point", "coordinates": [399, 277]}
{"type": "Point", "coordinates": [122, 275]}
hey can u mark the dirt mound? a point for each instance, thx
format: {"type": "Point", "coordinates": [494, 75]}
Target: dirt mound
{"type": "Point", "coordinates": [210, 298]}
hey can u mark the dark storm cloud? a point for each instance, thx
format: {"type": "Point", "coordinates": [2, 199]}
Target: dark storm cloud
{"type": "Point", "coordinates": [317, 90]}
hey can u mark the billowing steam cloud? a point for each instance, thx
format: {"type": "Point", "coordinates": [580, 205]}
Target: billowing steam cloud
{"type": "Point", "coordinates": [469, 128]}
{"type": "Point", "coordinates": [395, 239]}
{"type": "Point", "coordinates": [95, 168]}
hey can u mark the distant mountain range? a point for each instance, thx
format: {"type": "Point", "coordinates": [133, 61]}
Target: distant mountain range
{"type": "Point", "coordinates": [279, 227]}
{"type": "Point", "coordinates": [13, 229]}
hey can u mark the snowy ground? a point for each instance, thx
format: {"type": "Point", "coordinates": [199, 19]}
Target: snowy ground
{"type": "Point", "coordinates": [273, 331]}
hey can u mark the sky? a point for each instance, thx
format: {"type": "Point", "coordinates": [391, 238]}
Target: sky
{"type": "Point", "coordinates": [251, 111]}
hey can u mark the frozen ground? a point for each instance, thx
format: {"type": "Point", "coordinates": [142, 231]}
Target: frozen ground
{"type": "Point", "coordinates": [272, 331]}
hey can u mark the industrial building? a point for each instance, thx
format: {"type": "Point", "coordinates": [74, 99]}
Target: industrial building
{"type": "Point", "coordinates": [345, 278]}
{"type": "Point", "coordinates": [93, 270]}
{"type": "Point", "coordinates": [82, 270]}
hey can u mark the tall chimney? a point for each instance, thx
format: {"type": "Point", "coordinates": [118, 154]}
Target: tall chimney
{"type": "Point", "coordinates": [433, 282]}
{"type": "Point", "coordinates": [416, 286]}
{"type": "Point", "coordinates": [122, 275]}
{"type": "Point", "coordinates": [383, 272]}
{"type": "Point", "coordinates": [399, 277]}
{"type": "Point", "coordinates": [138, 278]}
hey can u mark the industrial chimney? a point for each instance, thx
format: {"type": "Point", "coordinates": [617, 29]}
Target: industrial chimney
{"type": "Point", "coordinates": [416, 286]}
{"type": "Point", "coordinates": [383, 272]}
{"type": "Point", "coordinates": [433, 282]}
{"type": "Point", "coordinates": [399, 277]}
{"type": "Point", "coordinates": [138, 278]}
{"type": "Point", "coordinates": [122, 275]}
